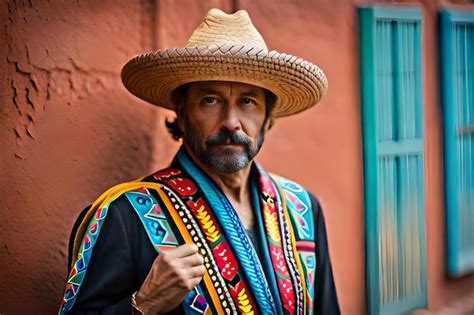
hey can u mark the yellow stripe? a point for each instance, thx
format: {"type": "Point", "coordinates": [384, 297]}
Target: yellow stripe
{"type": "Point", "coordinates": [188, 239]}
{"type": "Point", "coordinates": [108, 196]}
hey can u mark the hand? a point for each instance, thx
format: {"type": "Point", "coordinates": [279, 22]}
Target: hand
{"type": "Point", "coordinates": [173, 274]}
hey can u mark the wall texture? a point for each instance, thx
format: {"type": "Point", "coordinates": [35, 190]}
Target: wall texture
{"type": "Point", "coordinates": [68, 130]}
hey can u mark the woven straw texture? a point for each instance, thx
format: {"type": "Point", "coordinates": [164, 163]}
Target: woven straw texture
{"type": "Point", "coordinates": [226, 47]}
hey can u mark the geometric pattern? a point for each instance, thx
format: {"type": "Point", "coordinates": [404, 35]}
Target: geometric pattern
{"type": "Point", "coordinates": [299, 210]}
{"type": "Point", "coordinates": [216, 287]}
{"type": "Point", "coordinates": [282, 264]}
{"type": "Point", "coordinates": [161, 236]}
{"type": "Point", "coordinates": [152, 216]}
{"type": "Point", "coordinates": [186, 192]}
{"type": "Point", "coordinates": [195, 301]}
{"type": "Point", "coordinates": [299, 206]}
{"type": "Point", "coordinates": [308, 259]}
{"type": "Point", "coordinates": [300, 214]}
{"type": "Point", "coordinates": [228, 220]}
{"type": "Point", "coordinates": [79, 269]}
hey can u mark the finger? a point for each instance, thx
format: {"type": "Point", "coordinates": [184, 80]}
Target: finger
{"type": "Point", "coordinates": [196, 272]}
{"type": "Point", "coordinates": [192, 260]}
{"type": "Point", "coordinates": [195, 281]}
{"type": "Point", "coordinates": [183, 251]}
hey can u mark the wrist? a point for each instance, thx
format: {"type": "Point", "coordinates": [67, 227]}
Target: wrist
{"type": "Point", "coordinates": [142, 306]}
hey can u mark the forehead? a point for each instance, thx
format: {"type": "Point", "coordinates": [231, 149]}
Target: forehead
{"type": "Point", "coordinates": [226, 88]}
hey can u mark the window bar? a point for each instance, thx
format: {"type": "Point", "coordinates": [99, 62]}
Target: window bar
{"type": "Point", "coordinates": [468, 136]}
{"type": "Point", "coordinates": [465, 163]}
{"type": "Point", "coordinates": [471, 136]}
{"type": "Point", "coordinates": [458, 124]}
{"type": "Point", "coordinates": [411, 81]}
{"type": "Point", "coordinates": [405, 87]}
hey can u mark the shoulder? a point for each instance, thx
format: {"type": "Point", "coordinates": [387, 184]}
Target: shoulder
{"type": "Point", "coordinates": [293, 189]}
{"type": "Point", "coordinates": [115, 209]}
{"type": "Point", "coordinates": [302, 205]}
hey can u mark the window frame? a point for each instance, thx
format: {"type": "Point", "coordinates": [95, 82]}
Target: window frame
{"type": "Point", "coordinates": [448, 17]}
{"type": "Point", "coordinates": [368, 15]}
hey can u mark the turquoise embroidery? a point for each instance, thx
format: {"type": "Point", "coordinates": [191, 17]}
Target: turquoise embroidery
{"type": "Point", "coordinates": [153, 219]}
{"type": "Point", "coordinates": [299, 206]}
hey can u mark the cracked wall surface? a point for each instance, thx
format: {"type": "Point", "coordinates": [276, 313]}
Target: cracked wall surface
{"type": "Point", "coordinates": [69, 130]}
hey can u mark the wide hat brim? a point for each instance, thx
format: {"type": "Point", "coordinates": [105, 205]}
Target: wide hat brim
{"type": "Point", "coordinates": [297, 83]}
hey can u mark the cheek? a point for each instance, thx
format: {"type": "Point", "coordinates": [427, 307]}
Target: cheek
{"type": "Point", "coordinates": [253, 124]}
{"type": "Point", "coordinates": [198, 120]}
{"type": "Point", "coordinates": [201, 126]}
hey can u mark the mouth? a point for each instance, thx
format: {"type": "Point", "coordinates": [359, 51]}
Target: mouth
{"type": "Point", "coordinates": [229, 145]}
{"type": "Point", "coordinates": [229, 148]}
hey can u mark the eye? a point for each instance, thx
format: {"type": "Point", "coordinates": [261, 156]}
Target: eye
{"type": "Point", "coordinates": [210, 100]}
{"type": "Point", "coordinates": [248, 101]}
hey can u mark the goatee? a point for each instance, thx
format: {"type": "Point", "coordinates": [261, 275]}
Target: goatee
{"type": "Point", "coordinates": [225, 151]}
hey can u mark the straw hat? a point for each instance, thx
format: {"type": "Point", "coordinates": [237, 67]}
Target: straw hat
{"type": "Point", "coordinates": [226, 47]}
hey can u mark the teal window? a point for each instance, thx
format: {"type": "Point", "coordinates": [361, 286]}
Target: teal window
{"type": "Point", "coordinates": [457, 92]}
{"type": "Point", "coordinates": [392, 124]}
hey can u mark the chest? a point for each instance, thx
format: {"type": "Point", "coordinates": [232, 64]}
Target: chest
{"type": "Point", "coordinates": [245, 212]}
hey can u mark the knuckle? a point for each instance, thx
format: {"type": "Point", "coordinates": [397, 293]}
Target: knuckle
{"type": "Point", "coordinates": [181, 274]}
{"type": "Point", "coordinates": [182, 284]}
{"type": "Point", "coordinates": [189, 285]}
{"type": "Point", "coordinates": [200, 259]}
{"type": "Point", "coordinates": [176, 271]}
{"type": "Point", "coordinates": [199, 271]}
{"type": "Point", "coordinates": [164, 257]}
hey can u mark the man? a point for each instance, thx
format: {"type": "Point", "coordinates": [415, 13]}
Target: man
{"type": "Point", "coordinates": [214, 233]}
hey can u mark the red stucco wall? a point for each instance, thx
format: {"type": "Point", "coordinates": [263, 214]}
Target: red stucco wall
{"type": "Point", "coordinates": [68, 130]}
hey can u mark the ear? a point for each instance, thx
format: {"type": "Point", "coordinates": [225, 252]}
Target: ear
{"type": "Point", "coordinates": [179, 110]}
{"type": "Point", "coordinates": [269, 123]}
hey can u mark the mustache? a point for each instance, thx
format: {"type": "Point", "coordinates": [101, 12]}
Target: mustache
{"type": "Point", "coordinates": [224, 135]}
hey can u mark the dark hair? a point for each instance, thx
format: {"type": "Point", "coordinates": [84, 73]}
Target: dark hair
{"type": "Point", "coordinates": [178, 97]}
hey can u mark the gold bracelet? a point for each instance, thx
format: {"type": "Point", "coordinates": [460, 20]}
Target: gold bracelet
{"type": "Point", "coordinates": [135, 309]}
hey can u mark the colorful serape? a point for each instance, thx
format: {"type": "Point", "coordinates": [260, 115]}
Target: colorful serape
{"type": "Point", "coordinates": [182, 201]}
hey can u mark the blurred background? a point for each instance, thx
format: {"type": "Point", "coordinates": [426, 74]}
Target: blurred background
{"type": "Point", "coordinates": [388, 151]}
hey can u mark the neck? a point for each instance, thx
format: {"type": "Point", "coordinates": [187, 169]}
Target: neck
{"type": "Point", "coordinates": [234, 185]}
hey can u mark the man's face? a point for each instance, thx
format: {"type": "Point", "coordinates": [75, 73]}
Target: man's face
{"type": "Point", "coordinates": [224, 123]}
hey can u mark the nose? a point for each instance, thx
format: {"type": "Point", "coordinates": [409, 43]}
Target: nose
{"type": "Point", "coordinates": [231, 119]}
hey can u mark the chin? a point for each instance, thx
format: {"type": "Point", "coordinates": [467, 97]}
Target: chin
{"type": "Point", "coordinates": [228, 163]}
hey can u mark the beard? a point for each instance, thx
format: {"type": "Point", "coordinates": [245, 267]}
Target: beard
{"type": "Point", "coordinates": [223, 159]}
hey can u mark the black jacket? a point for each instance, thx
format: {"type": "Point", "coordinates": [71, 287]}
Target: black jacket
{"type": "Point", "coordinates": [123, 256]}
